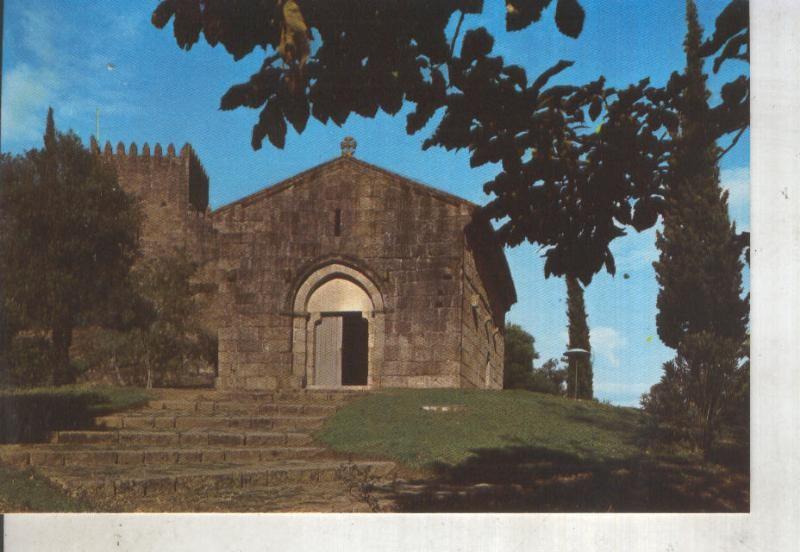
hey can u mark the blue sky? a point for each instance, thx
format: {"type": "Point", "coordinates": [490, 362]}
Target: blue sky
{"type": "Point", "coordinates": [159, 93]}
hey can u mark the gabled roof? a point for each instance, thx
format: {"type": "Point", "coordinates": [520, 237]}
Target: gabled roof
{"type": "Point", "coordinates": [300, 177]}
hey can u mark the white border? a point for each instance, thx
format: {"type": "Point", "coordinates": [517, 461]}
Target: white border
{"type": "Point", "coordinates": [775, 503]}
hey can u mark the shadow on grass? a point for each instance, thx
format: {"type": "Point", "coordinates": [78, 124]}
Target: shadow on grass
{"type": "Point", "coordinates": [29, 417]}
{"type": "Point", "coordinates": [530, 479]}
{"type": "Point", "coordinates": [616, 424]}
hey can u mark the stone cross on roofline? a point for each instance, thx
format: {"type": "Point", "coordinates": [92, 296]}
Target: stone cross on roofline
{"type": "Point", "coordinates": [348, 146]}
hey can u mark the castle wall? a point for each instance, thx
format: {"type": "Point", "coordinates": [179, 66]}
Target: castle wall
{"type": "Point", "coordinates": [173, 193]}
{"type": "Point", "coordinates": [409, 243]}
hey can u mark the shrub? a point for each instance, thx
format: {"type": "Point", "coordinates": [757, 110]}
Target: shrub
{"type": "Point", "coordinates": [699, 388]}
{"type": "Point", "coordinates": [29, 362]}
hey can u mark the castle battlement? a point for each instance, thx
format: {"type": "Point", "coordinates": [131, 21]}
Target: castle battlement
{"type": "Point", "coordinates": [186, 152]}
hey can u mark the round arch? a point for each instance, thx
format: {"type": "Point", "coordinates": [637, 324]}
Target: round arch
{"type": "Point", "coordinates": [336, 271]}
{"type": "Point", "coordinates": [332, 288]}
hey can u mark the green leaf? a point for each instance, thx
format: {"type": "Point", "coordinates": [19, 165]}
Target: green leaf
{"type": "Point", "coordinates": [477, 43]}
{"type": "Point", "coordinates": [595, 107]}
{"type": "Point", "coordinates": [569, 17]}
{"type": "Point", "coordinates": [270, 124]}
{"type": "Point", "coordinates": [521, 13]}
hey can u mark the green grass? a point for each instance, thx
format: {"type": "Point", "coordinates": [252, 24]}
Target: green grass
{"type": "Point", "coordinates": [393, 425]}
{"type": "Point", "coordinates": [516, 451]}
{"type": "Point", "coordinates": [100, 399]}
{"type": "Point", "coordinates": [29, 415]}
{"type": "Point", "coordinates": [24, 491]}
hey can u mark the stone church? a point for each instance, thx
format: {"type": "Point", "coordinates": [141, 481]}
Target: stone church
{"type": "Point", "coordinates": [344, 275]}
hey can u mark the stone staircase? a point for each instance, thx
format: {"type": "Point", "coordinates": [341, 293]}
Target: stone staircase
{"type": "Point", "coordinates": [206, 450]}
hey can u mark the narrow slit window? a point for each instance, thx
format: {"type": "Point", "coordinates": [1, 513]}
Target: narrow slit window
{"type": "Point", "coordinates": [337, 222]}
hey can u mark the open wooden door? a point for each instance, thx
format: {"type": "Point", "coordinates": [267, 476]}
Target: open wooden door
{"type": "Point", "coordinates": [328, 352]}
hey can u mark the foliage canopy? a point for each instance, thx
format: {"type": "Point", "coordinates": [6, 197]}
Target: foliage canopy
{"type": "Point", "coordinates": [68, 239]}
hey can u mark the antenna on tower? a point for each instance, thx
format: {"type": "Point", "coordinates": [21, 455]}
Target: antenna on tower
{"type": "Point", "coordinates": [97, 124]}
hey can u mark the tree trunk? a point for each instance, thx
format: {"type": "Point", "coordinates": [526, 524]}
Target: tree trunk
{"type": "Point", "coordinates": [62, 370]}
{"type": "Point", "coordinates": [149, 382]}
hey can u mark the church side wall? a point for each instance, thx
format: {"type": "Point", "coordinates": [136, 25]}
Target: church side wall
{"type": "Point", "coordinates": [407, 242]}
{"type": "Point", "coordinates": [483, 345]}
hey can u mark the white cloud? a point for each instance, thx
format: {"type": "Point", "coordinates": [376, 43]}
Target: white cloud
{"type": "Point", "coordinates": [606, 343]}
{"type": "Point", "coordinates": [737, 182]}
{"type": "Point", "coordinates": [27, 91]}
{"type": "Point", "coordinates": [55, 64]}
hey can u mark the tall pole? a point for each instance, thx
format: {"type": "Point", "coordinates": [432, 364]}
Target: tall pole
{"type": "Point", "coordinates": [97, 124]}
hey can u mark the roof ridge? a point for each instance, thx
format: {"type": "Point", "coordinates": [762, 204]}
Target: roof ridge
{"type": "Point", "coordinates": [288, 182]}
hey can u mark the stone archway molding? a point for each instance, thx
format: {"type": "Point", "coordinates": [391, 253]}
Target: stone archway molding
{"type": "Point", "coordinates": [336, 270]}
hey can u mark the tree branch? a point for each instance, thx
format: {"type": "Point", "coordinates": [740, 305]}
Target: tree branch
{"type": "Point", "coordinates": [733, 143]}
{"type": "Point", "coordinates": [455, 35]}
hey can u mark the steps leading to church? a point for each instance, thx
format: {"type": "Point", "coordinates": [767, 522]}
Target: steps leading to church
{"type": "Point", "coordinates": [201, 441]}
{"type": "Point", "coordinates": [145, 480]}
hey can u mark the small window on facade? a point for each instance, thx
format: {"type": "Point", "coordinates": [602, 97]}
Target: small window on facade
{"type": "Point", "coordinates": [337, 223]}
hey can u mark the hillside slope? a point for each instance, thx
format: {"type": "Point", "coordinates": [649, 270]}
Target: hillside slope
{"type": "Point", "coordinates": [522, 451]}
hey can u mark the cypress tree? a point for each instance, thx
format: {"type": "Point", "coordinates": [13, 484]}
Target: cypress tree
{"type": "Point", "coordinates": [699, 270]}
{"type": "Point", "coordinates": [50, 131]}
{"type": "Point", "coordinates": [701, 311]}
{"type": "Point", "coordinates": [578, 339]}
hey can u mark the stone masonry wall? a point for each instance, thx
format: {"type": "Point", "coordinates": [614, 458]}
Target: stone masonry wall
{"type": "Point", "coordinates": [408, 241]}
{"type": "Point", "coordinates": [483, 344]}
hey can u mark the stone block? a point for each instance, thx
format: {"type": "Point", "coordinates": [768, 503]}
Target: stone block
{"type": "Point", "coordinates": [130, 457]}
{"type": "Point", "coordinates": [164, 422]}
{"type": "Point", "coordinates": [214, 456]}
{"type": "Point", "coordinates": [265, 439]}
{"type": "Point", "coordinates": [129, 487]}
{"type": "Point", "coordinates": [227, 439]}
{"type": "Point", "coordinates": [249, 346]}
{"type": "Point", "coordinates": [261, 383]}
{"type": "Point", "coordinates": [161, 485]}
{"type": "Point", "coordinates": [160, 457]}
{"type": "Point", "coordinates": [46, 458]}
{"type": "Point", "coordinates": [90, 458]}
{"type": "Point", "coordinates": [15, 458]}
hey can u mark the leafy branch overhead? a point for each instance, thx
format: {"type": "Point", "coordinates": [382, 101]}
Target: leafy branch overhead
{"type": "Point", "coordinates": [367, 56]}
{"type": "Point", "coordinates": [579, 163]}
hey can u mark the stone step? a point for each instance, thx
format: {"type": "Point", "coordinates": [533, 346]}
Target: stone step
{"type": "Point", "coordinates": [133, 481]}
{"type": "Point", "coordinates": [56, 455]}
{"type": "Point", "coordinates": [171, 421]}
{"type": "Point", "coordinates": [255, 397]}
{"type": "Point", "coordinates": [181, 438]}
{"type": "Point", "coordinates": [235, 407]}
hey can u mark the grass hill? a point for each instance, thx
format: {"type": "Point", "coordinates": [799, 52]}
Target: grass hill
{"type": "Point", "coordinates": [393, 424]}
{"type": "Point", "coordinates": [527, 452]}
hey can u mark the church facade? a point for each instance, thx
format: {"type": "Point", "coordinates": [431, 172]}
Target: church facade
{"type": "Point", "coordinates": [345, 275]}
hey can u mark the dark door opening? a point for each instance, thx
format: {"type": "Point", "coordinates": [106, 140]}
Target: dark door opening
{"type": "Point", "coordinates": [355, 354]}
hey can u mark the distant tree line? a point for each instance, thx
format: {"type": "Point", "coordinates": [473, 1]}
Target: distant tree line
{"type": "Point", "coordinates": [520, 372]}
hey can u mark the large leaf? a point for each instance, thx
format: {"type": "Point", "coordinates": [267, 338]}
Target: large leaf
{"type": "Point", "coordinates": [270, 124]}
{"type": "Point", "coordinates": [477, 43]}
{"type": "Point", "coordinates": [521, 13]}
{"type": "Point", "coordinates": [569, 17]}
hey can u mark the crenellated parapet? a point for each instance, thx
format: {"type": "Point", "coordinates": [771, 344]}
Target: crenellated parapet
{"type": "Point", "coordinates": [132, 153]}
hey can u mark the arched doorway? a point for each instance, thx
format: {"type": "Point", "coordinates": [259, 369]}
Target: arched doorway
{"type": "Point", "coordinates": [338, 330]}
